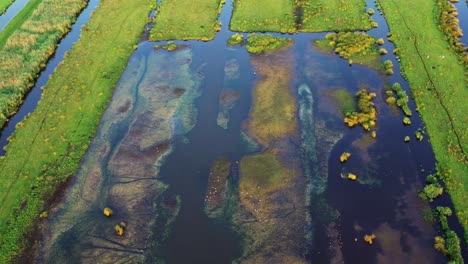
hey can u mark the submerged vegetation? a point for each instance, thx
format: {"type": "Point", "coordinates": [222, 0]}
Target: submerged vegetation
{"type": "Point", "coordinates": [266, 43]}
{"type": "Point", "coordinates": [46, 149]}
{"type": "Point", "coordinates": [187, 19]}
{"type": "Point", "coordinates": [366, 116]}
{"type": "Point", "coordinates": [27, 44]}
{"type": "Point", "coordinates": [439, 86]}
{"type": "Point", "coordinates": [356, 47]}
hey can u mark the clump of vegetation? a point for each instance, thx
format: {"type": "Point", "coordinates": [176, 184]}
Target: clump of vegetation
{"type": "Point", "coordinates": [345, 156]}
{"type": "Point", "coordinates": [108, 212]}
{"type": "Point", "coordinates": [432, 190]}
{"type": "Point", "coordinates": [449, 24]}
{"type": "Point", "coordinates": [370, 11]}
{"type": "Point", "coordinates": [275, 16]}
{"type": "Point", "coordinates": [406, 120]}
{"type": "Point", "coordinates": [450, 243]}
{"type": "Point", "coordinates": [366, 115]}
{"type": "Point", "coordinates": [352, 176]}
{"type": "Point", "coordinates": [258, 44]}
{"type": "Point", "coordinates": [383, 51]}
{"type": "Point", "coordinates": [439, 245]}
{"type": "Point", "coordinates": [388, 67]}
{"type": "Point", "coordinates": [419, 135]}
{"type": "Point", "coordinates": [369, 239]}
{"type": "Point", "coordinates": [186, 19]}
{"type": "Point", "coordinates": [401, 98]}
{"type": "Point", "coordinates": [27, 43]}
{"type": "Point", "coordinates": [235, 39]}
{"type": "Point", "coordinates": [356, 47]}
{"type": "Point", "coordinates": [407, 139]}
{"type": "Point", "coordinates": [380, 41]}
{"type": "Point", "coordinates": [170, 46]}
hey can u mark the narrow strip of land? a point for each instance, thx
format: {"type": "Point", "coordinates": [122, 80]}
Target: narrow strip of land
{"type": "Point", "coordinates": [46, 149]}
{"type": "Point", "coordinates": [4, 5]}
{"type": "Point", "coordinates": [187, 19]}
{"type": "Point", "coordinates": [27, 43]}
{"type": "Point", "coordinates": [439, 86]}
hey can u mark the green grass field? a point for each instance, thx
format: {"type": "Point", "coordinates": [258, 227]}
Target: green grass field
{"type": "Point", "coordinates": [187, 19]}
{"type": "Point", "coordinates": [46, 149]}
{"type": "Point", "coordinates": [275, 16]}
{"type": "Point", "coordinates": [26, 45]}
{"type": "Point", "coordinates": [439, 86]}
{"type": "Point", "coordinates": [334, 15]}
{"type": "Point", "coordinates": [4, 4]}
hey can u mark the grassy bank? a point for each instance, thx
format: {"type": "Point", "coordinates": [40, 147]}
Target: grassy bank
{"type": "Point", "coordinates": [187, 19]}
{"type": "Point", "coordinates": [4, 5]}
{"type": "Point", "coordinates": [27, 44]}
{"type": "Point", "coordinates": [275, 16]}
{"type": "Point", "coordinates": [439, 87]}
{"type": "Point", "coordinates": [336, 15]}
{"type": "Point", "coordinates": [46, 149]}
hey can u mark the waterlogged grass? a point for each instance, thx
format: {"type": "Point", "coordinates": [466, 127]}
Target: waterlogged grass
{"type": "Point", "coordinates": [273, 114]}
{"type": "Point", "coordinates": [4, 5]}
{"type": "Point", "coordinates": [266, 43]}
{"type": "Point", "coordinates": [187, 19]}
{"type": "Point", "coordinates": [356, 47]}
{"type": "Point", "coordinates": [262, 174]}
{"type": "Point", "coordinates": [439, 87]}
{"type": "Point", "coordinates": [265, 15]}
{"type": "Point", "coordinates": [27, 44]}
{"type": "Point", "coordinates": [344, 100]}
{"type": "Point", "coordinates": [334, 15]}
{"type": "Point", "coordinates": [46, 149]}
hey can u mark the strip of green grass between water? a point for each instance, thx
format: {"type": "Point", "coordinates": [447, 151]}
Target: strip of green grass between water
{"type": "Point", "coordinates": [26, 45]}
{"type": "Point", "coordinates": [439, 86]}
{"type": "Point", "coordinates": [46, 149]}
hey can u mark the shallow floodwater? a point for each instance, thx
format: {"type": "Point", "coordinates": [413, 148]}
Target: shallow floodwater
{"type": "Point", "coordinates": [171, 157]}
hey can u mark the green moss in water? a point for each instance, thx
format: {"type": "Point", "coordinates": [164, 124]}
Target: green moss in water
{"type": "Point", "coordinates": [344, 99]}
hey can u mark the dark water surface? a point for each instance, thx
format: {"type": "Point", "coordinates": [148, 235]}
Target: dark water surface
{"type": "Point", "coordinates": [151, 159]}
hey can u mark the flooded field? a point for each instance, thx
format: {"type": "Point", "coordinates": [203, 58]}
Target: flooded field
{"type": "Point", "coordinates": [209, 154]}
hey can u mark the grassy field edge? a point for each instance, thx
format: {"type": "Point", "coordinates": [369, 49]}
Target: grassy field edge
{"type": "Point", "coordinates": [438, 83]}
{"type": "Point", "coordinates": [46, 149]}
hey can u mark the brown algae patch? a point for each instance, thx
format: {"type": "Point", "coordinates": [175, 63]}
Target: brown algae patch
{"type": "Point", "coordinates": [121, 168]}
{"type": "Point", "coordinates": [217, 185]}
